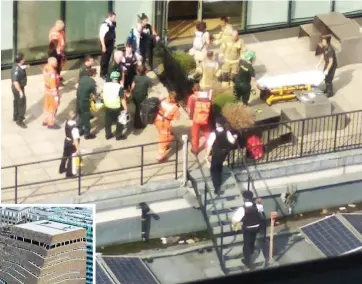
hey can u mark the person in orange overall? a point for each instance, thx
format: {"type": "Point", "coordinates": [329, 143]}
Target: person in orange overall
{"type": "Point", "coordinates": [51, 93]}
{"type": "Point", "coordinates": [168, 111]}
{"type": "Point", "coordinates": [57, 35]}
{"type": "Point", "coordinates": [199, 109]}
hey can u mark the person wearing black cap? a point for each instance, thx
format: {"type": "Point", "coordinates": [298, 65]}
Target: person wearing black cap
{"type": "Point", "coordinates": [252, 216]}
{"type": "Point", "coordinates": [219, 145]}
{"type": "Point", "coordinates": [18, 83]}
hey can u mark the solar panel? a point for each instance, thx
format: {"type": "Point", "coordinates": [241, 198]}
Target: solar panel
{"type": "Point", "coordinates": [130, 270]}
{"type": "Point", "coordinates": [101, 276]}
{"type": "Point", "coordinates": [355, 220]}
{"type": "Point", "coordinates": [331, 236]}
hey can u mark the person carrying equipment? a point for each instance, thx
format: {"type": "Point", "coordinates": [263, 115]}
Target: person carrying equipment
{"type": "Point", "coordinates": [112, 95]}
{"type": "Point", "coordinates": [128, 110]}
{"type": "Point", "coordinates": [224, 36]}
{"type": "Point", "coordinates": [168, 111]}
{"type": "Point", "coordinates": [233, 51]}
{"type": "Point", "coordinates": [57, 35]}
{"type": "Point", "coordinates": [244, 78]}
{"type": "Point", "coordinates": [51, 93]}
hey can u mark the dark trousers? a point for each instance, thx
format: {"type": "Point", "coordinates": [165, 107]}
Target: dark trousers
{"type": "Point", "coordinates": [147, 55]}
{"type": "Point", "coordinates": [128, 80]}
{"type": "Point", "coordinates": [249, 235]}
{"type": "Point", "coordinates": [19, 106]}
{"type": "Point", "coordinates": [59, 60]}
{"type": "Point", "coordinates": [66, 164]}
{"type": "Point", "coordinates": [328, 81]}
{"type": "Point", "coordinates": [106, 57]}
{"type": "Point", "coordinates": [242, 92]}
{"type": "Point", "coordinates": [137, 117]}
{"type": "Point", "coordinates": [217, 160]}
{"type": "Point", "coordinates": [111, 117]}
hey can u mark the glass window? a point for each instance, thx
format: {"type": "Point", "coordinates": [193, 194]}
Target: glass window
{"type": "Point", "coordinates": [348, 6]}
{"type": "Point", "coordinates": [258, 15]}
{"type": "Point", "coordinates": [83, 19]}
{"type": "Point", "coordinates": [35, 19]}
{"type": "Point", "coordinates": [303, 10]}
{"type": "Point", "coordinates": [6, 32]}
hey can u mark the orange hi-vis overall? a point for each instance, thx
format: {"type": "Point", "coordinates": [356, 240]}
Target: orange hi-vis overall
{"type": "Point", "coordinates": [51, 94]}
{"type": "Point", "coordinates": [200, 110]}
{"type": "Point", "coordinates": [59, 36]}
{"type": "Point", "coordinates": [166, 113]}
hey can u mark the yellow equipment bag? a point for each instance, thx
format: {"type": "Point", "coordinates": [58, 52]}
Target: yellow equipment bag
{"type": "Point", "coordinates": [96, 105]}
{"type": "Point", "coordinates": [76, 163]}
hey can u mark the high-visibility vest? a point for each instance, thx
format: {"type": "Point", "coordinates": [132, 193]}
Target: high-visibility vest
{"type": "Point", "coordinates": [51, 80]}
{"type": "Point", "coordinates": [202, 108]}
{"type": "Point", "coordinates": [167, 111]}
{"type": "Point", "coordinates": [111, 98]}
{"type": "Point", "coordinates": [60, 37]}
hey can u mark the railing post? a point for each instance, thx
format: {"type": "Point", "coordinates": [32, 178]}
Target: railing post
{"type": "Point", "coordinates": [205, 195]}
{"type": "Point", "coordinates": [79, 175]}
{"type": "Point", "coordinates": [302, 142]}
{"type": "Point", "coordinates": [142, 158]}
{"type": "Point", "coordinates": [267, 144]}
{"type": "Point", "coordinates": [16, 184]}
{"type": "Point", "coordinates": [176, 163]}
{"type": "Point", "coordinates": [335, 133]}
{"type": "Point", "coordinates": [184, 159]}
{"type": "Point", "coordinates": [249, 181]}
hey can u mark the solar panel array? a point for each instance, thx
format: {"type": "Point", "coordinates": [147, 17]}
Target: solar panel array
{"type": "Point", "coordinates": [101, 276]}
{"type": "Point", "coordinates": [331, 236]}
{"type": "Point", "coordinates": [355, 220]}
{"type": "Point", "coordinates": [130, 270]}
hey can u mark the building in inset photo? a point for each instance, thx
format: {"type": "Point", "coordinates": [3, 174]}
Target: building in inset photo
{"type": "Point", "coordinates": [46, 248]}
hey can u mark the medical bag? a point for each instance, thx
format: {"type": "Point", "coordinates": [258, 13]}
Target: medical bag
{"type": "Point", "coordinates": [254, 147]}
{"type": "Point", "coordinates": [149, 109]}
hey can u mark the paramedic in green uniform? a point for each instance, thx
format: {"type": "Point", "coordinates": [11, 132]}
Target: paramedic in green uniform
{"type": "Point", "coordinates": [243, 80]}
{"type": "Point", "coordinates": [88, 64]}
{"type": "Point", "coordinates": [86, 88]}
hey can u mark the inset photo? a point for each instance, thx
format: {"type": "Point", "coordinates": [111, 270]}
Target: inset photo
{"type": "Point", "coordinates": [47, 244]}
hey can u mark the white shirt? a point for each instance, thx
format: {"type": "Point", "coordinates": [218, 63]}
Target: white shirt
{"type": "Point", "coordinates": [240, 213]}
{"type": "Point", "coordinates": [212, 137]}
{"type": "Point", "coordinates": [104, 28]}
{"type": "Point", "coordinates": [75, 130]}
{"type": "Point", "coordinates": [137, 36]}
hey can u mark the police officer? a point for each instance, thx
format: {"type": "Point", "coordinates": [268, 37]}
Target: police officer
{"type": "Point", "coordinates": [107, 37]}
{"type": "Point", "coordinates": [219, 145]}
{"type": "Point", "coordinates": [86, 88]}
{"type": "Point", "coordinates": [251, 215]}
{"type": "Point", "coordinates": [112, 96]}
{"type": "Point", "coordinates": [71, 145]}
{"type": "Point", "coordinates": [129, 63]}
{"type": "Point", "coordinates": [330, 64]}
{"type": "Point", "coordinates": [18, 83]}
{"type": "Point", "coordinates": [244, 78]}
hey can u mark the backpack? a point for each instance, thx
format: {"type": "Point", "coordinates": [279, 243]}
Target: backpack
{"type": "Point", "coordinates": [201, 111]}
{"type": "Point", "coordinates": [199, 43]}
{"type": "Point", "coordinates": [131, 38]}
{"type": "Point", "coordinates": [254, 147]}
{"type": "Point", "coordinates": [148, 110]}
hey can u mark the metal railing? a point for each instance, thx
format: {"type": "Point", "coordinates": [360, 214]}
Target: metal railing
{"type": "Point", "coordinates": [81, 176]}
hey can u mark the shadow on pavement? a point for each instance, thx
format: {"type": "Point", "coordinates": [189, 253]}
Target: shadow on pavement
{"type": "Point", "coordinates": [343, 79]}
{"type": "Point", "coordinates": [90, 165]}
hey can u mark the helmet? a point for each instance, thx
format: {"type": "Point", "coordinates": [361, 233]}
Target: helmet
{"type": "Point", "coordinates": [249, 55]}
{"type": "Point", "coordinates": [115, 75]}
{"type": "Point", "coordinates": [124, 118]}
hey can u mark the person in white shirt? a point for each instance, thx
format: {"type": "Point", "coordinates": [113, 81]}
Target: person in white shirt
{"type": "Point", "coordinates": [219, 145]}
{"type": "Point", "coordinates": [252, 216]}
{"type": "Point", "coordinates": [71, 145]}
{"type": "Point", "coordinates": [201, 41]}
{"type": "Point", "coordinates": [107, 37]}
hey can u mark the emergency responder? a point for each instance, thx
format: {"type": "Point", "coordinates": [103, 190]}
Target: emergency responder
{"type": "Point", "coordinates": [112, 95]}
{"type": "Point", "coordinates": [233, 51]}
{"type": "Point", "coordinates": [168, 111]}
{"type": "Point", "coordinates": [245, 77]}
{"type": "Point", "coordinates": [330, 64]}
{"type": "Point", "coordinates": [86, 89]}
{"type": "Point", "coordinates": [116, 66]}
{"type": "Point", "coordinates": [18, 83]}
{"type": "Point", "coordinates": [210, 71]}
{"type": "Point", "coordinates": [199, 106]}
{"type": "Point", "coordinates": [107, 37]}
{"type": "Point", "coordinates": [86, 66]}
{"type": "Point", "coordinates": [135, 39]}
{"type": "Point", "coordinates": [148, 40]}
{"type": "Point", "coordinates": [129, 108]}
{"type": "Point", "coordinates": [71, 145]}
{"type": "Point", "coordinates": [57, 34]}
{"type": "Point", "coordinates": [224, 36]}
{"type": "Point", "coordinates": [51, 93]}
{"type": "Point", "coordinates": [130, 63]}
{"type": "Point", "coordinates": [251, 215]}
{"type": "Point", "coordinates": [141, 84]}
{"type": "Point", "coordinates": [219, 144]}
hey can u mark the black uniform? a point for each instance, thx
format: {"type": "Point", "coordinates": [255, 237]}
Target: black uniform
{"type": "Point", "coordinates": [251, 227]}
{"type": "Point", "coordinates": [87, 86]}
{"type": "Point", "coordinates": [18, 74]}
{"type": "Point", "coordinates": [83, 71]}
{"type": "Point", "coordinates": [109, 40]}
{"type": "Point", "coordinates": [243, 81]}
{"type": "Point", "coordinates": [147, 44]}
{"type": "Point", "coordinates": [219, 152]}
{"type": "Point", "coordinates": [139, 94]}
{"type": "Point", "coordinates": [66, 164]}
{"type": "Point", "coordinates": [130, 65]}
{"type": "Point", "coordinates": [329, 53]}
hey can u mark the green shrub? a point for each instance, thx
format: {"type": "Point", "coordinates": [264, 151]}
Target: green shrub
{"type": "Point", "coordinates": [221, 98]}
{"type": "Point", "coordinates": [185, 60]}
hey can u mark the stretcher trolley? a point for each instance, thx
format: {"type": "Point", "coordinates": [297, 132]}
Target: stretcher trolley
{"type": "Point", "coordinates": [285, 87]}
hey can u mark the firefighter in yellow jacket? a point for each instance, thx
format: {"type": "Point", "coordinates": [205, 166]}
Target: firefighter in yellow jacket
{"type": "Point", "coordinates": [224, 36]}
{"type": "Point", "coordinates": [209, 71]}
{"type": "Point", "coordinates": [233, 52]}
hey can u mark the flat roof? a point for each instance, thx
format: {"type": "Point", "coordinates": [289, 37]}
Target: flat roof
{"type": "Point", "coordinates": [48, 227]}
{"type": "Point", "coordinates": [14, 208]}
